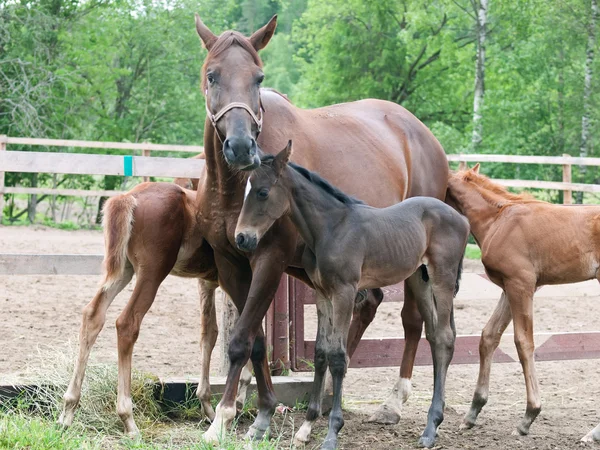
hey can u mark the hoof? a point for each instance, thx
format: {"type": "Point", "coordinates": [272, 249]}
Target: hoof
{"type": "Point", "coordinates": [426, 441]}
{"type": "Point", "coordinates": [466, 425]}
{"type": "Point", "coordinates": [134, 435]}
{"type": "Point", "coordinates": [66, 419]}
{"type": "Point", "coordinates": [255, 434]}
{"type": "Point", "coordinates": [211, 436]}
{"type": "Point", "coordinates": [520, 431]}
{"type": "Point", "coordinates": [385, 416]}
{"type": "Point", "coordinates": [590, 438]}
{"type": "Point", "coordinates": [209, 412]}
{"type": "Point", "coordinates": [329, 445]}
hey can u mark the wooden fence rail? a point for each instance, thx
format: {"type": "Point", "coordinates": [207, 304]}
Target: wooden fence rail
{"type": "Point", "coordinates": [90, 164]}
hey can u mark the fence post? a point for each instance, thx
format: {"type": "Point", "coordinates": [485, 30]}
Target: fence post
{"type": "Point", "coordinates": [567, 194]}
{"type": "Point", "coordinates": [3, 140]}
{"type": "Point", "coordinates": [146, 152]}
{"type": "Point", "coordinates": [277, 329]}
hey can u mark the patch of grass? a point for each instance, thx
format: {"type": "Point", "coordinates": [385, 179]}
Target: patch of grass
{"type": "Point", "coordinates": [51, 372]}
{"type": "Point", "coordinates": [19, 431]}
{"type": "Point", "coordinates": [29, 422]}
{"type": "Point", "coordinates": [472, 252]}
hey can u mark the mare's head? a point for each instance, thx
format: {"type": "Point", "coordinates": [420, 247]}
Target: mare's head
{"type": "Point", "coordinates": [266, 200]}
{"type": "Point", "coordinates": [231, 78]}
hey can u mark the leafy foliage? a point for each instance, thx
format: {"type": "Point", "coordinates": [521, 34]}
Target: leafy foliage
{"type": "Point", "coordinates": [128, 70]}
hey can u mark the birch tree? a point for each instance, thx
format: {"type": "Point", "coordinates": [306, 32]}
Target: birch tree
{"type": "Point", "coordinates": [480, 7]}
{"type": "Point", "coordinates": [587, 91]}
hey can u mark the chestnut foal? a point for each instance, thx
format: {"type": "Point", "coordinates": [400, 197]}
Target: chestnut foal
{"type": "Point", "coordinates": [352, 246]}
{"type": "Point", "coordinates": [525, 244]}
{"type": "Point", "coordinates": [150, 231]}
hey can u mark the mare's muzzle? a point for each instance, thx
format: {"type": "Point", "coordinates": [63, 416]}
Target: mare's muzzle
{"type": "Point", "coordinates": [241, 152]}
{"type": "Point", "coordinates": [246, 242]}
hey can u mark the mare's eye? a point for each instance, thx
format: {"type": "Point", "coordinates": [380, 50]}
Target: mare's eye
{"type": "Point", "coordinates": [262, 194]}
{"type": "Point", "coordinates": [211, 78]}
{"type": "Point", "coordinates": [260, 79]}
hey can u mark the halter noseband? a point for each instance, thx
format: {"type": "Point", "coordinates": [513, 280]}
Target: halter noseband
{"type": "Point", "coordinates": [214, 118]}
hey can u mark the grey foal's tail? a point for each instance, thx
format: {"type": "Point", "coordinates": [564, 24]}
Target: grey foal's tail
{"type": "Point", "coordinates": [457, 284]}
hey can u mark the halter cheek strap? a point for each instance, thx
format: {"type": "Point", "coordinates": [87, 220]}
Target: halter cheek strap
{"type": "Point", "coordinates": [214, 118]}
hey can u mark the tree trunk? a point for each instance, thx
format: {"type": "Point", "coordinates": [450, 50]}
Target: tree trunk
{"type": "Point", "coordinates": [561, 103]}
{"type": "Point", "coordinates": [481, 31]}
{"type": "Point", "coordinates": [587, 91]}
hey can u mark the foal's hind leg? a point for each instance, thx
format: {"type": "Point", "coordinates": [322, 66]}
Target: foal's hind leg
{"type": "Point", "coordinates": [436, 308]}
{"type": "Point", "coordinates": [389, 412]}
{"type": "Point", "coordinates": [92, 322]}
{"type": "Point", "coordinates": [490, 339]}
{"type": "Point", "coordinates": [128, 328]}
{"type": "Point", "coordinates": [593, 435]}
{"type": "Point", "coordinates": [208, 337]}
{"type": "Point", "coordinates": [520, 297]}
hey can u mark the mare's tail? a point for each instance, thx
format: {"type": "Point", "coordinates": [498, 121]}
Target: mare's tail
{"type": "Point", "coordinates": [117, 223]}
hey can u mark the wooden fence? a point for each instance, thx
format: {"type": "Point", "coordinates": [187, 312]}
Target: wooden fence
{"type": "Point", "coordinates": [285, 336]}
{"type": "Point", "coordinates": [86, 164]}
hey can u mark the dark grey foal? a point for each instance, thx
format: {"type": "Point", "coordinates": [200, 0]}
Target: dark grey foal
{"type": "Point", "coordinates": [351, 246]}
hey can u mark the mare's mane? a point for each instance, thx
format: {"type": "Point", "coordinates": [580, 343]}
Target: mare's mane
{"type": "Point", "coordinates": [485, 187]}
{"type": "Point", "coordinates": [319, 182]}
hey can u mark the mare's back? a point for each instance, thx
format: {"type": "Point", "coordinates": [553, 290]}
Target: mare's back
{"type": "Point", "coordinates": [371, 149]}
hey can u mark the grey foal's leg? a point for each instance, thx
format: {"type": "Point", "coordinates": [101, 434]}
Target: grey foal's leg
{"type": "Point", "coordinates": [324, 311]}
{"type": "Point", "coordinates": [337, 358]}
{"type": "Point", "coordinates": [436, 309]}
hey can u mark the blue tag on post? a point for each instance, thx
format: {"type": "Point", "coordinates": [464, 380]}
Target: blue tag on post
{"type": "Point", "coordinates": [128, 166]}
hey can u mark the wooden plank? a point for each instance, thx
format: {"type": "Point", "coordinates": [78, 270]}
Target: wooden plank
{"type": "Point", "coordinates": [84, 164]}
{"type": "Point", "coordinates": [71, 192]}
{"type": "Point", "coordinates": [105, 145]}
{"type": "Point", "coordinates": [299, 292]}
{"type": "Point", "coordinates": [519, 159]}
{"type": "Point", "coordinates": [289, 390]}
{"type": "Point", "coordinates": [3, 139]}
{"type": "Point", "coordinates": [278, 328]}
{"type": "Point", "coordinates": [393, 294]}
{"type": "Point", "coordinates": [567, 194]}
{"type": "Point", "coordinates": [388, 352]}
{"type": "Point", "coordinates": [25, 264]}
{"type": "Point", "coordinates": [567, 346]}
{"type": "Point", "coordinates": [549, 185]}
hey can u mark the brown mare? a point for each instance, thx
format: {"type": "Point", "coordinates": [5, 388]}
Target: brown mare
{"type": "Point", "coordinates": [352, 246]}
{"type": "Point", "coordinates": [525, 244]}
{"type": "Point", "coordinates": [372, 149]}
{"type": "Point", "coordinates": [150, 231]}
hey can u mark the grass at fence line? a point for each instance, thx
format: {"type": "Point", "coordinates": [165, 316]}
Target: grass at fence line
{"type": "Point", "coordinates": [30, 420]}
{"type": "Point", "coordinates": [472, 252]}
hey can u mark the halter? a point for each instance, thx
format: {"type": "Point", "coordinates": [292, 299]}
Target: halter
{"type": "Point", "coordinates": [214, 118]}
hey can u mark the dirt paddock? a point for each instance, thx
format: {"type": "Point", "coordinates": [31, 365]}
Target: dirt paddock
{"type": "Point", "coordinates": [45, 310]}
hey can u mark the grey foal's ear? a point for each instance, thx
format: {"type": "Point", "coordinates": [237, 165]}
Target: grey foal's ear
{"type": "Point", "coordinates": [282, 158]}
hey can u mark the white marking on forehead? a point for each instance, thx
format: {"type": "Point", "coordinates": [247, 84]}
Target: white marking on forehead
{"type": "Point", "coordinates": [248, 187]}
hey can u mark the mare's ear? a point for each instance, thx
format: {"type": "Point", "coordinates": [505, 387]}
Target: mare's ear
{"type": "Point", "coordinates": [475, 168]}
{"type": "Point", "coordinates": [261, 37]}
{"type": "Point", "coordinates": [282, 159]}
{"type": "Point", "coordinates": [207, 36]}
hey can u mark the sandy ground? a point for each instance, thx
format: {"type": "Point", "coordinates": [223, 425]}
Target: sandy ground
{"type": "Point", "coordinates": [45, 310]}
